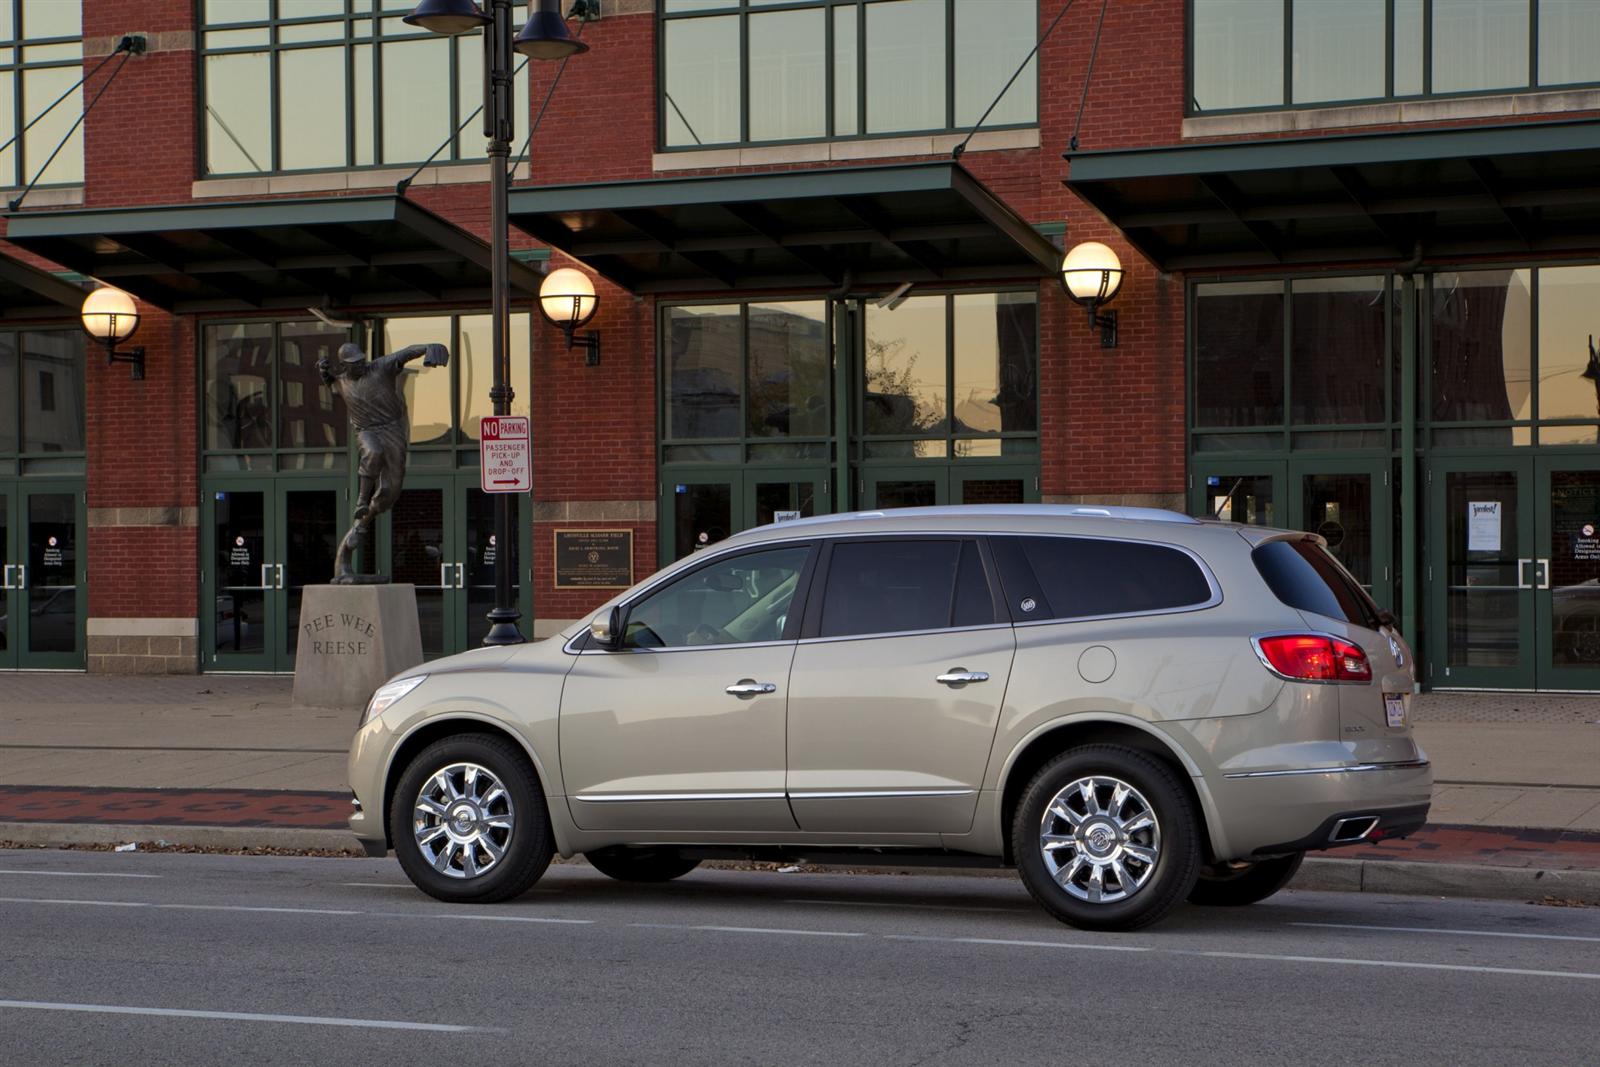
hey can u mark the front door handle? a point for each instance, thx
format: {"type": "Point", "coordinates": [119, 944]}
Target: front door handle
{"type": "Point", "coordinates": [461, 576]}
{"type": "Point", "coordinates": [280, 575]}
{"type": "Point", "coordinates": [961, 676]}
{"type": "Point", "coordinates": [444, 576]}
{"type": "Point", "coordinates": [749, 687]}
{"type": "Point", "coordinates": [266, 576]}
{"type": "Point", "coordinates": [1522, 574]}
{"type": "Point", "coordinates": [6, 584]}
{"type": "Point", "coordinates": [22, 575]}
{"type": "Point", "coordinates": [1541, 573]}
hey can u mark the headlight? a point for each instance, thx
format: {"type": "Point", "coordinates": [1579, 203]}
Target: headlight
{"type": "Point", "coordinates": [388, 694]}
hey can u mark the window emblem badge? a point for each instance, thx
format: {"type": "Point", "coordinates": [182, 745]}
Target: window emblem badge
{"type": "Point", "coordinates": [1027, 604]}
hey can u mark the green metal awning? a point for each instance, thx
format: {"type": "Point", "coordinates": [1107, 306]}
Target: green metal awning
{"type": "Point", "coordinates": [329, 252]}
{"type": "Point", "coordinates": [26, 292]}
{"type": "Point", "coordinates": [925, 223]}
{"type": "Point", "coordinates": [1512, 189]}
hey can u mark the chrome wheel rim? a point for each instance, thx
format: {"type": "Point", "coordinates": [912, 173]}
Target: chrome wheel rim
{"type": "Point", "coordinates": [1100, 839]}
{"type": "Point", "coordinates": [463, 820]}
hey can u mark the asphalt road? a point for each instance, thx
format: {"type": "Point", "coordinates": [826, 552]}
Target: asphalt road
{"type": "Point", "coordinates": [180, 959]}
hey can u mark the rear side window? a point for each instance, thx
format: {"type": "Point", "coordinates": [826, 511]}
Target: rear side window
{"type": "Point", "coordinates": [877, 587]}
{"type": "Point", "coordinates": [1080, 577]}
{"type": "Point", "coordinates": [1304, 576]}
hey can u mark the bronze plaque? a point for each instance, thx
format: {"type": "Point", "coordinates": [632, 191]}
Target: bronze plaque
{"type": "Point", "coordinates": [594, 559]}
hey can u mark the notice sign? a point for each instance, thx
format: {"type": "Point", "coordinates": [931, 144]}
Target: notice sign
{"type": "Point", "coordinates": [1483, 526]}
{"type": "Point", "coordinates": [594, 559]}
{"type": "Point", "coordinates": [505, 461]}
{"type": "Point", "coordinates": [1586, 546]}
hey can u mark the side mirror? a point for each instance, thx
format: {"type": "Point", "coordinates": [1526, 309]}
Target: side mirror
{"type": "Point", "coordinates": [607, 631]}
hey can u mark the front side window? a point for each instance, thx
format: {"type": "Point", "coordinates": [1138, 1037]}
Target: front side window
{"type": "Point", "coordinates": [895, 586]}
{"type": "Point", "coordinates": [1081, 577]}
{"type": "Point", "coordinates": [41, 57]}
{"type": "Point", "coordinates": [734, 72]}
{"type": "Point", "coordinates": [733, 600]}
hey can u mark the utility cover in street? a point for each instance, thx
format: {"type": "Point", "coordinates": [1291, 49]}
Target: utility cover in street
{"type": "Point", "coordinates": [504, 457]}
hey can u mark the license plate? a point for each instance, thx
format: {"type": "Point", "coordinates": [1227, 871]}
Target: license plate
{"type": "Point", "coordinates": [1394, 708]}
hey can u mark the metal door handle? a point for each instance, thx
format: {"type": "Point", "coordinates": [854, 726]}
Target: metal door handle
{"type": "Point", "coordinates": [961, 676]}
{"type": "Point", "coordinates": [280, 574]}
{"type": "Point", "coordinates": [266, 576]}
{"type": "Point", "coordinates": [444, 576]}
{"type": "Point", "coordinates": [6, 584]}
{"type": "Point", "coordinates": [22, 576]}
{"type": "Point", "coordinates": [461, 576]}
{"type": "Point", "coordinates": [1522, 573]}
{"type": "Point", "coordinates": [749, 687]}
{"type": "Point", "coordinates": [1541, 573]}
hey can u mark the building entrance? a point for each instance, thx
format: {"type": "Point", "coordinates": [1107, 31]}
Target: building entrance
{"type": "Point", "coordinates": [42, 591]}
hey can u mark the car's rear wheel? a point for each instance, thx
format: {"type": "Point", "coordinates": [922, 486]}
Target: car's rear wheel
{"type": "Point", "coordinates": [1233, 885]}
{"type": "Point", "coordinates": [641, 864]}
{"type": "Point", "coordinates": [469, 822]}
{"type": "Point", "coordinates": [1105, 838]}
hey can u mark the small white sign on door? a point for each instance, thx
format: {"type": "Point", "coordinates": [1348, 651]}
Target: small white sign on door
{"type": "Point", "coordinates": [1483, 526]}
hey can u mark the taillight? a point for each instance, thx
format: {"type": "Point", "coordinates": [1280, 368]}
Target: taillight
{"type": "Point", "coordinates": [1315, 658]}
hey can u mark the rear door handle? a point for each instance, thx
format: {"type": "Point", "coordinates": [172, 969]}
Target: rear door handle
{"type": "Point", "coordinates": [6, 584]}
{"type": "Point", "coordinates": [961, 676]}
{"type": "Point", "coordinates": [444, 576]}
{"type": "Point", "coordinates": [749, 687]}
{"type": "Point", "coordinates": [1522, 574]}
{"type": "Point", "coordinates": [280, 575]}
{"type": "Point", "coordinates": [461, 576]}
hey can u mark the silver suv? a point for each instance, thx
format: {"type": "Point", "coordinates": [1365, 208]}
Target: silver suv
{"type": "Point", "coordinates": [1130, 706]}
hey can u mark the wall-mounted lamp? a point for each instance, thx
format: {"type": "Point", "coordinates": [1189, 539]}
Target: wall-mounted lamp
{"type": "Point", "coordinates": [1092, 274]}
{"type": "Point", "coordinates": [566, 296]}
{"type": "Point", "coordinates": [110, 316]}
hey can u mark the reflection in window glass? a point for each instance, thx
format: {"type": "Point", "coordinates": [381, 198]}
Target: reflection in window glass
{"type": "Point", "coordinates": [475, 363]}
{"type": "Point", "coordinates": [1336, 352]}
{"type": "Point", "coordinates": [1481, 346]}
{"type": "Point", "coordinates": [1479, 44]}
{"type": "Point", "coordinates": [702, 81]}
{"type": "Point", "coordinates": [238, 114]}
{"type": "Point", "coordinates": [1569, 42]}
{"type": "Point", "coordinates": [702, 515]}
{"type": "Point", "coordinates": [845, 72]}
{"type": "Point", "coordinates": [52, 390]}
{"type": "Point", "coordinates": [905, 66]}
{"type": "Point", "coordinates": [40, 88]}
{"type": "Point", "coordinates": [992, 39]}
{"type": "Point", "coordinates": [1568, 297]}
{"type": "Point", "coordinates": [8, 394]}
{"type": "Point", "coordinates": [1338, 51]}
{"type": "Point", "coordinates": [787, 370]}
{"type": "Point", "coordinates": [906, 389]}
{"type": "Point", "coordinates": [306, 419]}
{"type": "Point", "coordinates": [426, 389]}
{"type": "Point", "coordinates": [416, 97]}
{"type": "Point", "coordinates": [238, 370]}
{"type": "Point", "coordinates": [703, 371]}
{"type": "Point", "coordinates": [731, 601]}
{"type": "Point", "coordinates": [996, 363]}
{"type": "Point", "coordinates": [1238, 354]}
{"type": "Point", "coordinates": [787, 101]}
{"type": "Point", "coordinates": [311, 98]}
{"type": "Point", "coordinates": [1238, 54]}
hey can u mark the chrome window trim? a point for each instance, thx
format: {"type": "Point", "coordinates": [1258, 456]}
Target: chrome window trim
{"type": "Point", "coordinates": [669, 648]}
{"type": "Point", "coordinates": [905, 633]}
{"type": "Point", "coordinates": [1255, 644]}
{"type": "Point", "coordinates": [1353, 768]}
{"type": "Point", "coordinates": [619, 798]}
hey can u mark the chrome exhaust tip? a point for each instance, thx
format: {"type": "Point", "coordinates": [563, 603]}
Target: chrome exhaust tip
{"type": "Point", "coordinates": [1355, 828]}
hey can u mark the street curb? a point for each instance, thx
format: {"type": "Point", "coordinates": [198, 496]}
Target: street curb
{"type": "Point", "coordinates": [1410, 878]}
{"type": "Point", "coordinates": [57, 834]}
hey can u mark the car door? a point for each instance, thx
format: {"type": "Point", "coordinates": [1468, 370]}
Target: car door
{"type": "Point", "coordinates": [896, 687]}
{"type": "Point", "coordinates": [682, 726]}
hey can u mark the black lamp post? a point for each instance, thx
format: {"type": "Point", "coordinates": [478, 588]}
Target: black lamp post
{"type": "Point", "coordinates": [543, 37]}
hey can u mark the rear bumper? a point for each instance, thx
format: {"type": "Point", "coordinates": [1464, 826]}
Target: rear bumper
{"type": "Point", "coordinates": [1351, 828]}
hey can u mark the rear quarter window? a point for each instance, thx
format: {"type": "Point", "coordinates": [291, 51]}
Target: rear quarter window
{"type": "Point", "coordinates": [1082, 577]}
{"type": "Point", "coordinates": [1304, 576]}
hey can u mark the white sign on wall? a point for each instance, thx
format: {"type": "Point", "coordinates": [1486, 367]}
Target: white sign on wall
{"type": "Point", "coordinates": [504, 456]}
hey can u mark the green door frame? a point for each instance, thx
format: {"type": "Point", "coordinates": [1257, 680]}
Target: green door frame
{"type": "Point", "coordinates": [1232, 467]}
{"type": "Point", "coordinates": [1580, 615]}
{"type": "Point", "coordinates": [748, 511]}
{"type": "Point", "coordinates": [1382, 506]}
{"type": "Point", "coordinates": [19, 636]}
{"type": "Point", "coordinates": [936, 473]}
{"type": "Point", "coordinates": [11, 597]}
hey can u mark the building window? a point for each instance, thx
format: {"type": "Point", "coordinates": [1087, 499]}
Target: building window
{"type": "Point", "coordinates": [48, 417]}
{"type": "Point", "coordinates": [41, 57]}
{"type": "Point", "coordinates": [736, 72]}
{"type": "Point", "coordinates": [290, 85]}
{"type": "Point", "coordinates": [1255, 54]}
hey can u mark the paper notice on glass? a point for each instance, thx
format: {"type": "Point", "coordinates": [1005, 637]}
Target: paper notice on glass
{"type": "Point", "coordinates": [1483, 526]}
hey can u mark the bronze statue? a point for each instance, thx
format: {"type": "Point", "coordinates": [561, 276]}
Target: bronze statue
{"type": "Point", "coordinates": [372, 396]}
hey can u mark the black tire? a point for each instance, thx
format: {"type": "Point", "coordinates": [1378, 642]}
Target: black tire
{"type": "Point", "coordinates": [526, 847]}
{"type": "Point", "coordinates": [641, 864]}
{"type": "Point", "coordinates": [1235, 885]}
{"type": "Point", "coordinates": [1156, 888]}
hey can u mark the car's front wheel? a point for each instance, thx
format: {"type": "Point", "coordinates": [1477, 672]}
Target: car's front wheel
{"type": "Point", "coordinates": [469, 822]}
{"type": "Point", "coordinates": [1105, 838]}
{"type": "Point", "coordinates": [641, 864]}
{"type": "Point", "coordinates": [1233, 885]}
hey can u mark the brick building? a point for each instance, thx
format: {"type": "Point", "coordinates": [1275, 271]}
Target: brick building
{"type": "Point", "coordinates": [1358, 241]}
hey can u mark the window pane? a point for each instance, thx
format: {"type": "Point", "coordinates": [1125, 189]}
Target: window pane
{"type": "Point", "coordinates": [299, 9]}
{"type": "Point", "coordinates": [880, 587]}
{"type": "Point", "coordinates": [906, 391]}
{"type": "Point", "coordinates": [992, 38]}
{"type": "Point", "coordinates": [426, 389]}
{"type": "Point", "coordinates": [788, 370]}
{"type": "Point", "coordinates": [238, 367]}
{"type": "Point", "coordinates": [1568, 297]}
{"type": "Point", "coordinates": [1336, 352]}
{"type": "Point", "coordinates": [362, 111]}
{"type": "Point", "coordinates": [732, 601]}
{"type": "Point", "coordinates": [1407, 47]}
{"type": "Point", "coordinates": [1569, 41]}
{"type": "Point", "coordinates": [311, 108]}
{"type": "Point", "coordinates": [996, 363]}
{"type": "Point", "coordinates": [1238, 354]}
{"type": "Point", "coordinates": [1479, 44]}
{"type": "Point", "coordinates": [1338, 50]}
{"type": "Point", "coordinates": [8, 124]}
{"type": "Point", "coordinates": [702, 515]}
{"type": "Point", "coordinates": [1481, 341]}
{"type": "Point", "coordinates": [52, 391]}
{"type": "Point", "coordinates": [40, 88]}
{"type": "Point", "coordinates": [703, 371]}
{"type": "Point", "coordinates": [51, 18]}
{"type": "Point", "coordinates": [476, 362]}
{"type": "Point", "coordinates": [1238, 54]}
{"type": "Point", "coordinates": [238, 115]}
{"type": "Point", "coordinates": [1304, 576]}
{"type": "Point", "coordinates": [702, 80]}
{"type": "Point", "coordinates": [221, 11]}
{"type": "Point", "coordinates": [309, 414]}
{"type": "Point", "coordinates": [8, 394]}
{"type": "Point", "coordinates": [1081, 577]}
{"type": "Point", "coordinates": [845, 71]}
{"type": "Point", "coordinates": [789, 97]}
{"type": "Point", "coordinates": [416, 98]}
{"type": "Point", "coordinates": [905, 66]}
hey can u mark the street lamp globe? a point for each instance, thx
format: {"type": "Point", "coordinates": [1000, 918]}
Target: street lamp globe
{"type": "Point", "coordinates": [110, 315]}
{"type": "Point", "coordinates": [448, 16]}
{"type": "Point", "coordinates": [566, 296]}
{"type": "Point", "coordinates": [1092, 273]}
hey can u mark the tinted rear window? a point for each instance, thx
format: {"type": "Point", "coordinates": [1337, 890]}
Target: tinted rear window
{"type": "Point", "coordinates": [1304, 576]}
{"type": "Point", "coordinates": [877, 587]}
{"type": "Point", "coordinates": [1079, 577]}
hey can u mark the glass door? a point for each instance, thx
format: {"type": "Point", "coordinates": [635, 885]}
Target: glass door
{"type": "Point", "coordinates": [45, 616]}
{"type": "Point", "coordinates": [423, 550]}
{"type": "Point", "coordinates": [312, 517]}
{"type": "Point", "coordinates": [1250, 492]}
{"type": "Point", "coordinates": [1348, 503]}
{"type": "Point", "coordinates": [1566, 578]}
{"type": "Point", "coordinates": [10, 589]}
{"type": "Point", "coordinates": [773, 495]}
{"type": "Point", "coordinates": [700, 508]}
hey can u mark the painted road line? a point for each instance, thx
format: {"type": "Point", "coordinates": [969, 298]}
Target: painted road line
{"type": "Point", "coordinates": [79, 874]}
{"type": "Point", "coordinates": [479, 918]}
{"type": "Point", "coordinates": [246, 907]}
{"type": "Point", "coordinates": [885, 904]}
{"type": "Point", "coordinates": [745, 930]}
{"type": "Point", "coordinates": [377, 885]}
{"type": "Point", "coordinates": [1438, 930]}
{"type": "Point", "coordinates": [246, 1016]}
{"type": "Point", "coordinates": [1524, 972]}
{"type": "Point", "coordinates": [1018, 943]}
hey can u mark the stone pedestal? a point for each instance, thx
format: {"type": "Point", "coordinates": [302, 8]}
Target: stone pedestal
{"type": "Point", "coordinates": [353, 638]}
